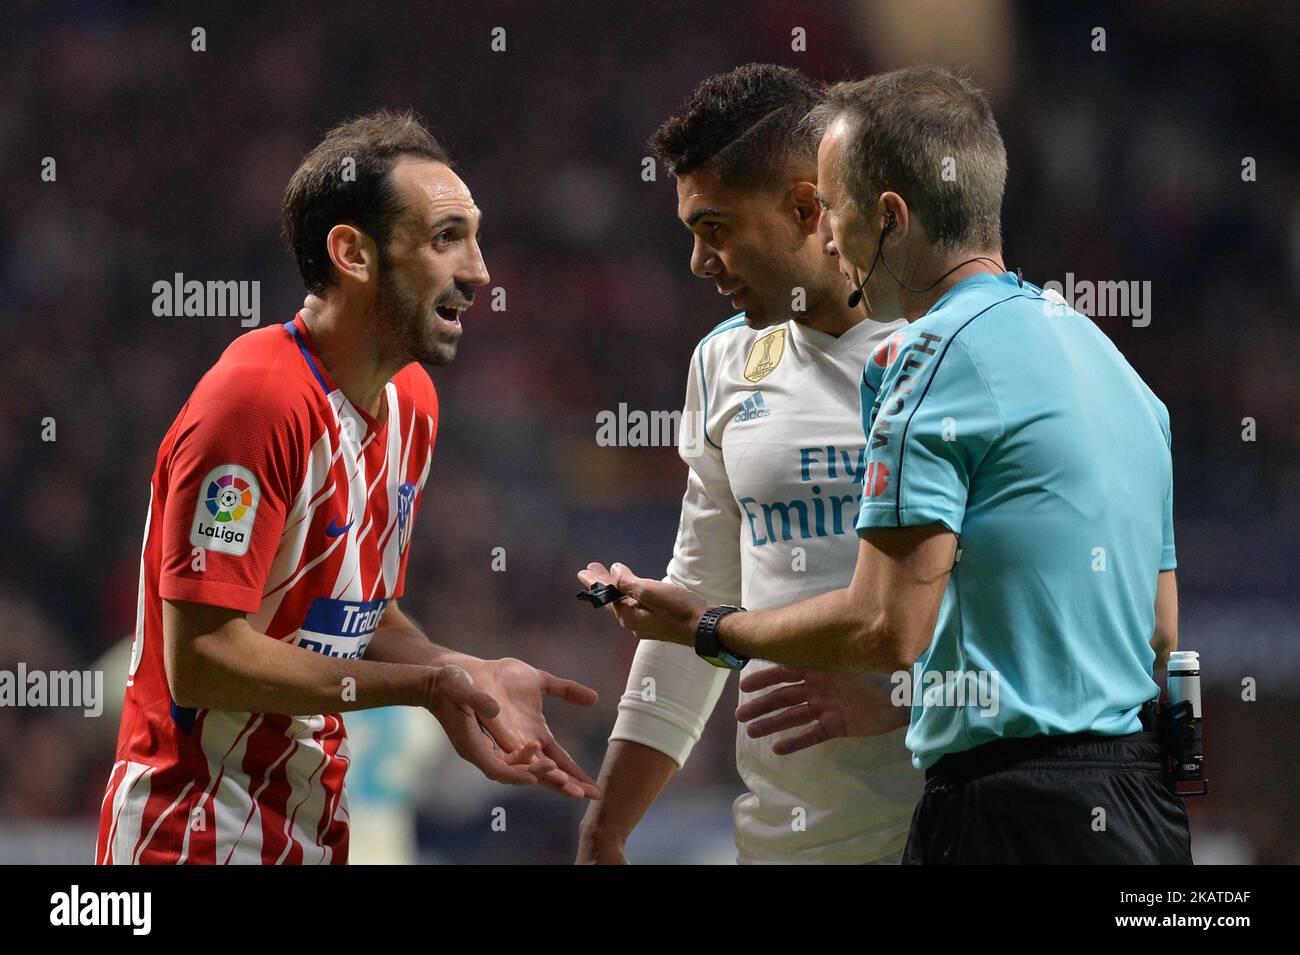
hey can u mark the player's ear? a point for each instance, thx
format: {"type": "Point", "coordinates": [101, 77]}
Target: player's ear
{"type": "Point", "coordinates": [351, 252]}
{"type": "Point", "coordinates": [801, 199]}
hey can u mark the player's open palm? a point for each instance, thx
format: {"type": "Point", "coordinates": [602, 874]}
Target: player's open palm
{"type": "Point", "coordinates": [520, 689]}
{"type": "Point", "coordinates": [821, 705]}
{"type": "Point", "coordinates": [459, 705]}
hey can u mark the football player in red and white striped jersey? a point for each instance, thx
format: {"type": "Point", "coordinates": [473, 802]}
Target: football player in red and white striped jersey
{"type": "Point", "coordinates": [277, 538]}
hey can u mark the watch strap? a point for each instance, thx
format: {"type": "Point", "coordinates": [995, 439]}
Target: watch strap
{"type": "Point", "coordinates": [707, 644]}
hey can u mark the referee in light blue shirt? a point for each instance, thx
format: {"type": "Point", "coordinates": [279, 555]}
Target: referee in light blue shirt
{"type": "Point", "coordinates": [1013, 422]}
{"type": "Point", "coordinates": [1017, 538]}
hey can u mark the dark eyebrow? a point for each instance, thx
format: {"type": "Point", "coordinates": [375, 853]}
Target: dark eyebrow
{"type": "Point", "coordinates": [699, 214]}
{"type": "Point", "coordinates": [454, 219]}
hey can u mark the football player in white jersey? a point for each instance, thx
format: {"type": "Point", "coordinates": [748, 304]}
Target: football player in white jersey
{"type": "Point", "coordinates": [771, 501]}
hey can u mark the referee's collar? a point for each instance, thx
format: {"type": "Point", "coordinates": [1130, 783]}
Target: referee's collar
{"type": "Point", "coordinates": [972, 282]}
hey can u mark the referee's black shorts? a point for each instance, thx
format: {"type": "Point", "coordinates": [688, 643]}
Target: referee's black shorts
{"type": "Point", "coordinates": [1073, 799]}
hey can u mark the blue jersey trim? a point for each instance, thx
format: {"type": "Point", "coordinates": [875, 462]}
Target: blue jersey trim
{"type": "Point", "coordinates": [738, 322]}
{"type": "Point", "coordinates": [739, 316]}
{"type": "Point", "coordinates": [184, 717]}
{"type": "Point", "coordinates": [292, 329]}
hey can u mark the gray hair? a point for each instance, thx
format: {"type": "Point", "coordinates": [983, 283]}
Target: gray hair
{"type": "Point", "coordinates": [930, 136]}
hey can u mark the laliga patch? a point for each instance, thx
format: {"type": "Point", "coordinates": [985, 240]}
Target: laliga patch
{"type": "Point", "coordinates": [765, 356]}
{"type": "Point", "coordinates": [223, 516]}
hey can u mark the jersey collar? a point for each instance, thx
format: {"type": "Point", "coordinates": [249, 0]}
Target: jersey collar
{"type": "Point", "coordinates": [972, 282]}
{"type": "Point", "coordinates": [814, 338]}
{"type": "Point", "coordinates": [297, 329]}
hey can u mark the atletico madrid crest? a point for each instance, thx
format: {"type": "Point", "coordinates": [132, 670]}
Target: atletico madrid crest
{"type": "Point", "coordinates": [405, 497]}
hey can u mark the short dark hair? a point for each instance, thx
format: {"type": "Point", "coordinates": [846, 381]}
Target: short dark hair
{"type": "Point", "coordinates": [320, 197]}
{"type": "Point", "coordinates": [747, 123]}
{"type": "Point", "coordinates": [903, 126]}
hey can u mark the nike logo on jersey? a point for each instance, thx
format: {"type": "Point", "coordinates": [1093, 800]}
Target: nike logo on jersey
{"type": "Point", "coordinates": [334, 531]}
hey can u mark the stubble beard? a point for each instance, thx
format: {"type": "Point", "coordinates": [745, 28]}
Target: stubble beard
{"type": "Point", "coordinates": [414, 333]}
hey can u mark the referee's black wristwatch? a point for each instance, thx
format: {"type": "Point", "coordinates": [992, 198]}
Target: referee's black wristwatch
{"type": "Point", "coordinates": [707, 644]}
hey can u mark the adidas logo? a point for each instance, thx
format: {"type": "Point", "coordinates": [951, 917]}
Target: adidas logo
{"type": "Point", "coordinates": [753, 407]}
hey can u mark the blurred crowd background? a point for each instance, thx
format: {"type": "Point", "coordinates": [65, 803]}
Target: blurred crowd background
{"type": "Point", "coordinates": [1126, 164]}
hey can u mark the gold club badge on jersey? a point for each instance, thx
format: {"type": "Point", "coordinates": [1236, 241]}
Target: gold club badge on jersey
{"type": "Point", "coordinates": [765, 356]}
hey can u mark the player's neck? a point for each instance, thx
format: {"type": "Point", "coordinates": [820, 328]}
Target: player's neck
{"type": "Point", "coordinates": [348, 350]}
{"type": "Point", "coordinates": [833, 317]}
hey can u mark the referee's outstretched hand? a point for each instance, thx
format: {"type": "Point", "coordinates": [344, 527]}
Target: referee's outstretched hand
{"type": "Point", "coordinates": [651, 609]}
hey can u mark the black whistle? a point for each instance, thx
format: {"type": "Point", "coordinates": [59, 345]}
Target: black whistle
{"type": "Point", "coordinates": [600, 594]}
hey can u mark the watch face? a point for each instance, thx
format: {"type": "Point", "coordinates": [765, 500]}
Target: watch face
{"type": "Point", "coordinates": [733, 662]}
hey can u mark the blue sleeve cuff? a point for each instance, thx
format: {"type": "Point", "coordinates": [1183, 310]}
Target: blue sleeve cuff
{"type": "Point", "coordinates": [887, 515]}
